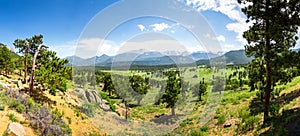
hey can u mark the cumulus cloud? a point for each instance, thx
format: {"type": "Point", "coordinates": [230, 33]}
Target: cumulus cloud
{"type": "Point", "coordinates": [202, 4]}
{"type": "Point", "coordinates": [90, 47]}
{"type": "Point", "coordinates": [230, 8]}
{"type": "Point", "coordinates": [220, 38]}
{"type": "Point", "coordinates": [65, 49]}
{"type": "Point", "coordinates": [159, 27]}
{"type": "Point", "coordinates": [141, 27]}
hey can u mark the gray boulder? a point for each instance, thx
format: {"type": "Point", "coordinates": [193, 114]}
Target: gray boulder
{"type": "Point", "coordinates": [92, 96]}
{"type": "Point", "coordinates": [16, 129]}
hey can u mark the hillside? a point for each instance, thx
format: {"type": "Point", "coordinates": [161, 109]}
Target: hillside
{"type": "Point", "coordinates": [13, 53]}
{"type": "Point", "coordinates": [235, 57]}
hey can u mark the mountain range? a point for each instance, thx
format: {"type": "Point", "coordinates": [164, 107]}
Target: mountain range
{"type": "Point", "coordinates": [154, 58]}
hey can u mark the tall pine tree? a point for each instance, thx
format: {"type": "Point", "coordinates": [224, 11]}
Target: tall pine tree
{"type": "Point", "coordinates": [270, 38]}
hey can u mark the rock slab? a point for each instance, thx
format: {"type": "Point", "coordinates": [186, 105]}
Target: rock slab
{"type": "Point", "coordinates": [16, 129]}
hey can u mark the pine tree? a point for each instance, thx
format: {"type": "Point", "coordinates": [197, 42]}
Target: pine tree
{"type": "Point", "coordinates": [51, 71]}
{"type": "Point", "coordinates": [6, 63]}
{"type": "Point", "coordinates": [272, 34]}
{"type": "Point", "coordinates": [28, 47]}
{"type": "Point", "coordinates": [201, 89]}
{"type": "Point", "coordinates": [105, 77]}
{"type": "Point", "coordinates": [172, 90]}
{"type": "Point", "coordinates": [140, 85]}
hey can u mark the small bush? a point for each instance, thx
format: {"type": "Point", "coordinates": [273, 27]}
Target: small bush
{"type": "Point", "coordinates": [2, 107]}
{"type": "Point", "coordinates": [204, 128]}
{"type": "Point", "coordinates": [20, 108]}
{"type": "Point", "coordinates": [196, 133]}
{"type": "Point", "coordinates": [221, 119]}
{"type": "Point", "coordinates": [77, 112]}
{"type": "Point", "coordinates": [274, 109]}
{"type": "Point", "coordinates": [12, 117]}
{"type": "Point", "coordinates": [111, 103]}
{"type": "Point", "coordinates": [248, 122]}
{"type": "Point", "coordinates": [69, 120]}
{"type": "Point", "coordinates": [13, 104]}
{"type": "Point", "coordinates": [52, 91]}
{"type": "Point", "coordinates": [88, 109]}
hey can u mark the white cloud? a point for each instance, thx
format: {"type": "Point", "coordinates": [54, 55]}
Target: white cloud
{"type": "Point", "coordinates": [239, 29]}
{"type": "Point", "coordinates": [90, 47]}
{"type": "Point", "coordinates": [230, 8]}
{"type": "Point", "coordinates": [109, 48]}
{"type": "Point", "coordinates": [202, 4]}
{"type": "Point", "coordinates": [141, 27]}
{"type": "Point", "coordinates": [65, 49]}
{"type": "Point", "coordinates": [159, 27]}
{"type": "Point", "coordinates": [221, 38]}
{"type": "Point", "coordinates": [298, 41]}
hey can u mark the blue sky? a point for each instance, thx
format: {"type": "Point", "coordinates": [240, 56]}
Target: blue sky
{"type": "Point", "coordinates": [64, 24]}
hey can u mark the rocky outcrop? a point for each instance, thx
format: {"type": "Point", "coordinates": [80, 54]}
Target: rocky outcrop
{"type": "Point", "coordinates": [15, 129]}
{"type": "Point", "coordinates": [92, 96]}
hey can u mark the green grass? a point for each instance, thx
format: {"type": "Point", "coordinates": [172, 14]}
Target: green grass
{"type": "Point", "coordinates": [12, 117]}
{"type": "Point", "coordinates": [221, 119]}
{"type": "Point", "coordinates": [235, 97]}
{"type": "Point", "coordinates": [147, 112]}
{"type": "Point", "coordinates": [111, 103]}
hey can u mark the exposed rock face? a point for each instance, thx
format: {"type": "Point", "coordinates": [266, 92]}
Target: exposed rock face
{"type": "Point", "coordinates": [16, 129]}
{"type": "Point", "coordinates": [92, 96]}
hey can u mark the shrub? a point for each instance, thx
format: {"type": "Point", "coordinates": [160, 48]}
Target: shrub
{"type": "Point", "coordinates": [48, 124]}
{"type": "Point", "coordinates": [204, 128]}
{"type": "Point", "coordinates": [221, 119]}
{"type": "Point", "coordinates": [12, 117]}
{"type": "Point", "coordinates": [111, 103]}
{"type": "Point", "coordinates": [2, 107]}
{"type": "Point", "coordinates": [274, 109]}
{"type": "Point", "coordinates": [77, 112]}
{"type": "Point", "coordinates": [3, 99]}
{"type": "Point", "coordinates": [88, 109]}
{"type": "Point", "coordinates": [247, 123]}
{"type": "Point", "coordinates": [52, 91]}
{"type": "Point", "coordinates": [20, 108]}
{"type": "Point", "coordinates": [69, 120]}
{"type": "Point", "coordinates": [13, 104]}
{"type": "Point", "coordinates": [196, 133]}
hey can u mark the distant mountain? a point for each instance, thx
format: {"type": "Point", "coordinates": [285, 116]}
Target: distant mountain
{"type": "Point", "coordinates": [203, 55]}
{"type": "Point", "coordinates": [153, 58]}
{"type": "Point", "coordinates": [77, 61]}
{"type": "Point", "coordinates": [235, 57]}
{"type": "Point", "coordinates": [148, 58]}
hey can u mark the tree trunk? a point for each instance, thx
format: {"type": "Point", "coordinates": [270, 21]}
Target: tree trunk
{"type": "Point", "coordinates": [268, 70]}
{"type": "Point", "coordinates": [25, 67]}
{"type": "Point", "coordinates": [173, 111]}
{"type": "Point", "coordinates": [33, 68]}
{"type": "Point", "coordinates": [126, 110]}
{"type": "Point", "coordinates": [109, 92]}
